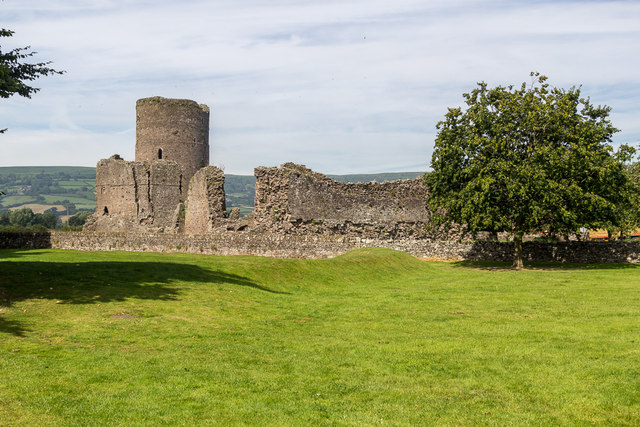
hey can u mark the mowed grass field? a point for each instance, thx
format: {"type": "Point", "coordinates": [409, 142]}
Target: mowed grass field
{"type": "Point", "coordinates": [373, 337]}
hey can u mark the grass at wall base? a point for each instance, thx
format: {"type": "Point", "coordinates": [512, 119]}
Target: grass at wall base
{"type": "Point", "coordinates": [371, 337]}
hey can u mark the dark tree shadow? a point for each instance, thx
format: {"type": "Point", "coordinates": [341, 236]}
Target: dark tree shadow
{"type": "Point", "coordinates": [100, 282]}
{"type": "Point", "coordinates": [17, 253]}
{"type": "Point", "coordinates": [542, 266]}
{"type": "Point", "coordinates": [13, 327]}
{"type": "Point", "coordinates": [552, 256]}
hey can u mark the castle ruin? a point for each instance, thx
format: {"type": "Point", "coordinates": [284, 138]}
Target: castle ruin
{"type": "Point", "coordinates": [170, 200]}
{"type": "Point", "coordinates": [151, 194]}
{"type": "Point", "coordinates": [170, 188]}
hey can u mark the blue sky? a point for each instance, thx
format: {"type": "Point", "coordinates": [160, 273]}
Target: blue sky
{"type": "Point", "coordinates": [351, 86]}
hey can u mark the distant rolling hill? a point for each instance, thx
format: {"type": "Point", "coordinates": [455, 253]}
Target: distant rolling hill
{"type": "Point", "coordinates": [62, 190]}
{"type": "Point", "coordinates": [73, 187]}
{"type": "Point", "coordinates": [378, 177]}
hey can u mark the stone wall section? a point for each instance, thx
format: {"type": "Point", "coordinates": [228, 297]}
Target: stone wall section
{"type": "Point", "coordinates": [166, 193]}
{"type": "Point", "coordinates": [294, 199]}
{"type": "Point", "coordinates": [323, 246]}
{"type": "Point", "coordinates": [271, 194]}
{"type": "Point", "coordinates": [136, 195]}
{"type": "Point", "coordinates": [205, 204]}
{"type": "Point", "coordinates": [116, 190]}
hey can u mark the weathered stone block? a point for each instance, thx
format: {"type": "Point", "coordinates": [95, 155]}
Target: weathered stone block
{"type": "Point", "coordinates": [131, 195]}
{"type": "Point", "coordinates": [205, 201]}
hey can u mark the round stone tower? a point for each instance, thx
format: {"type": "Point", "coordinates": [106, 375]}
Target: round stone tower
{"type": "Point", "coordinates": [173, 129]}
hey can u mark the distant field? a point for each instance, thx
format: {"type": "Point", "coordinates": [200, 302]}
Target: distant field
{"type": "Point", "coordinates": [374, 337]}
{"type": "Point", "coordinates": [16, 200]}
{"type": "Point", "coordinates": [73, 171]}
{"type": "Point", "coordinates": [80, 202]}
{"type": "Point", "coordinates": [38, 208]}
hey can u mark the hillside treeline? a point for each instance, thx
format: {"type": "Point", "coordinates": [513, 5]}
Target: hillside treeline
{"type": "Point", "coordinates": [24, 219]}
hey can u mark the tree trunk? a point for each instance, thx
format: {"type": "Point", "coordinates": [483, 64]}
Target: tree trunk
{"type": "Point", "coordinates": [517, 258]}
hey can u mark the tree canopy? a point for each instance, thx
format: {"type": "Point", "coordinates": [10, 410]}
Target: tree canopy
{"type": "Point", "coordinates": [15, 73]}
{"type": "Point", "coordinates": [25, 218]}
{"type": "Point", "coordinates": [529, 159]}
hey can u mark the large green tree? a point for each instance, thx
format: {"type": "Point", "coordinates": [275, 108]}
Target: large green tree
{"type": "Point", "coordinates": [15, 73]}
{"type": "Point", "coordinates": [528, 159]}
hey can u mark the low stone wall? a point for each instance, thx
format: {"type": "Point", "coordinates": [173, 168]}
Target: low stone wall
{"type": "Point", "coordinates": [25, 240]}
{"type": "Point", "coordinates": [323, 246]}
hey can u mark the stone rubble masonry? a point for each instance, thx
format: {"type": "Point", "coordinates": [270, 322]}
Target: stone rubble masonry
{"type": "Point", "coordinates": [293, 199]}
{"type": "Point", "coordinates": [322, 246]}
{"type": "Point", "coordinates": [290, 199]}
{"type": "Point", "coordinates": [136, 195]}
{"type": "Point", "coordinates": [205, 201]}
{"type": "Point", "coordinates": [173, 129]}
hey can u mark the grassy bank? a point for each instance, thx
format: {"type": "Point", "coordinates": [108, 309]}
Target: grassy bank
{"type": "Point", "coordinates": [371, 337]}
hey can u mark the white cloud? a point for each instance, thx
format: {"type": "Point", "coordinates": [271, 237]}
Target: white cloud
{"type": "Point", "coordinates": [331, 84]}
{"type": "Point", "coordinates": [62, 147]}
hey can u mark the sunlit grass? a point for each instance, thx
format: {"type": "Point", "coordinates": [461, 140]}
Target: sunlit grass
{"type": "Point", "coordinates": [372, 337]}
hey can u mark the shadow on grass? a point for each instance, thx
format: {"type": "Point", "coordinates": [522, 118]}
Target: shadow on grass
{"type": "Point", "coordinates": [12, 327]}
{"type": "Point", "coordinates": [538, 266]}
{"type": "Point", "coordinates": [18, 253]}
{"type": "Point", "coordinates": [100, 282]}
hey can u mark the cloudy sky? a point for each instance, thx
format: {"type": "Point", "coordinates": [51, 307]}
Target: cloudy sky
{"type": "Point", "coordinates": [343, 86]}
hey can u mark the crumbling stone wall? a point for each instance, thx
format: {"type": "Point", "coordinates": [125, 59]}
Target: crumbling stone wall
{"type": "Point", "coordinates": [205, 201]}
{"type": "Point", "coordinates": [322, 246]}
{"type": "Point", "coordinates": [133, 195]}
{"type": "Point", "coordinates": [173, 129]}
{"type": "Point", "coordinates": [116, 188]}
{"type": "Point", "coordinates": [295, 199]}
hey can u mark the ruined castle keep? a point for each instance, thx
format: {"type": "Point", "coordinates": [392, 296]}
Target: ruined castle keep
{"type": "Point", "coordinates": [153, 193]}
{"type": "Point", "coordinates": [170, 188]}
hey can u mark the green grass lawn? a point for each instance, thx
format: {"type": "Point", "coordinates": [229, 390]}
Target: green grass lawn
{"type": "Point", "coordinates": [374, 337]}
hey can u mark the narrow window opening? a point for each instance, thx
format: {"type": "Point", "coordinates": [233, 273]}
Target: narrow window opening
{"type": "Point", "coordinates": [159, 153]}
{"type": "Point", "coordinates": [106, 211]}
